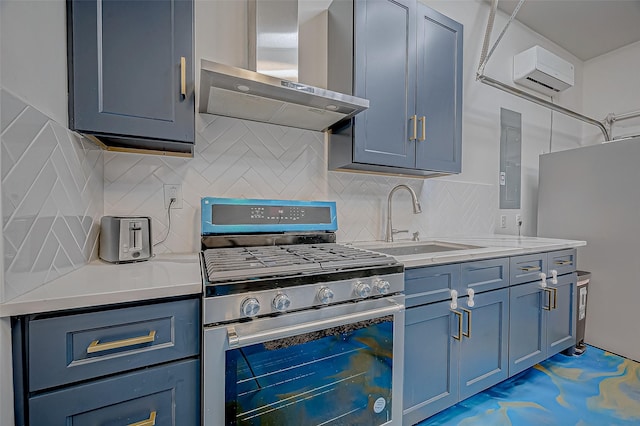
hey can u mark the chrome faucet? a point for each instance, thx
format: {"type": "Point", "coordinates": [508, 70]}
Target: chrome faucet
{"type": "Point", "coordinates": [416, 209]}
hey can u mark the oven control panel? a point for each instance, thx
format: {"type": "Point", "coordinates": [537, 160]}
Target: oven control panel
{"type": "Point", "coordinates": [233, 307]}
{"type": "Point", "coordinates": [245, 216]}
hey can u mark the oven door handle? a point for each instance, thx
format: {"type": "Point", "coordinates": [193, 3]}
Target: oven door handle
{"type": "Point", "coordinates": [237, 339]}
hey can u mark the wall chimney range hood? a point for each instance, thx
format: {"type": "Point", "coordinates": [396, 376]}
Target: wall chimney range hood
{"type": "Point", "coordinates": [251, 95]}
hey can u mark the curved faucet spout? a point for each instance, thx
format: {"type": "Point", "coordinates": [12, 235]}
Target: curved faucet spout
{"type": "Point", "coordinates": [416, 209]}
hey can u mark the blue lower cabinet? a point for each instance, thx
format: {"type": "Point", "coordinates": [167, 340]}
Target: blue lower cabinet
{"type": "Point", "coordinates": [561, 324]}
{"type": "Point", "coordinates": [430, 361]}
{"type": "Point", "coordinates": [527, 326]}
{"type": "Point", "coordinates": [164, 395]}
{"type": "Point", "coordinates": [484, 348]}
{"type": "Point", "coordinates": [451, 354]}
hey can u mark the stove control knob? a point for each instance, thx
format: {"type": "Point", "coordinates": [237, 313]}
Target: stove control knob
{"type": "Point", "coordinates": [281, 302]}
{"type": "Point", "coordinates": [325, 295]}
{"type": "Point", "coordinates": [362, 289]}
{"type": "Point", "coordinates": [250, 307]}
{"type": "Point", "coordinates": [382, 286]}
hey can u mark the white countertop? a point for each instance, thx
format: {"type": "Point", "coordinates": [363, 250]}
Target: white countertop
{"type": "Point", "coordinates": [102, 283]}
{"type": "Point", "coordinates": [486, 247]}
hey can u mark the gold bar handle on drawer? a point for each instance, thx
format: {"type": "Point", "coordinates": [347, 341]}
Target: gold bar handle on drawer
{"type": "Point", "coordinates": [468, 333]}
{"type": "Point", "coordinates": [459, 315]}
{"type": "Point", "coordinates": [151, 421]}
{"type": "Point", "coordinates": [563, 262]}
{"type": "Point", "coordinates": [96, 346]}
{"type": "Point", "coordinates": [183, 77]}
{"type": "Point", "coordinates": [547, 292]}
{"type": "Point", "coordinates": [423, 120]}
{"type": "Point", "coordinates": [529, 268]}
{"type": "Point", "coordinates": [414, 120]}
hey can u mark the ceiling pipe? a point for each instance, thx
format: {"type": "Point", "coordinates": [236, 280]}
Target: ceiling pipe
{"type": "Point", "coordinates": [484, 58]}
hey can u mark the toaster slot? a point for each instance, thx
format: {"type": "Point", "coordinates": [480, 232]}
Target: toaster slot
{"type": "Point", "coordinates": [135, 236]}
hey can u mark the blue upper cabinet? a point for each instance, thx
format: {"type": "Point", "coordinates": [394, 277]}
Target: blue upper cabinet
{"type": "Point", "coordinates": [131, 75]}
{"type": "Point", "coordinates": [406, 59]}
{"type": "Point", "coordinates": [439, 92]}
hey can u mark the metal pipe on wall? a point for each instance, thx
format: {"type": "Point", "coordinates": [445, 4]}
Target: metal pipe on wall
{"type": "Point", "coordinates": [484, 58]}
{"type": "Point", "coordinates": [543, 102]}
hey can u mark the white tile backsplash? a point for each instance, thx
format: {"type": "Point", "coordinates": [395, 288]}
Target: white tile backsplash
{"type": "Point", "coordinates": [53, 197]}
{"type": "Point", "coordinates": [244, 159]}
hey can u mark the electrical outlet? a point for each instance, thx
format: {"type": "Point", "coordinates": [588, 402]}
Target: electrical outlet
{"type": "Point", "coordinates": [173, 191]}
{"type": "Point", "coordinates": [503, 221]}
{"type": "Point", "coordinates": [518, 219]}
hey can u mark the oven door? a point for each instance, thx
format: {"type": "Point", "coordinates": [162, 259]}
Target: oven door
{"type": "Point", "coordinates": [338, 365]}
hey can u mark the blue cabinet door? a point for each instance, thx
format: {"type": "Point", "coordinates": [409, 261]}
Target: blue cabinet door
{"type": "Point", "coordinates": [484, 346]}
{"type": "Point", "coordinates": [385, 45]}
{"type": "Point", "coordinates": [439, 88]}
{"type": "Point", "coordinates": [527, 326]}
{"type": "Point", "coordinates": [168, 395]}
{"type": "Point", "coordinates": [561, 324]}
{"type": "Point", "coordinates": [430, 361]}
{"type": "Point", "coordinates": [125, 75]}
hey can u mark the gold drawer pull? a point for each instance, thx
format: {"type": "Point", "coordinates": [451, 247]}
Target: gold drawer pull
{"type": "Point", "coordinates": [183, 77]}
{"type": "Point", "coordinates": [555, 298]}
{"type": "Point", "coordinates": [96, 346]}
{"type": "Point", "coordinates": [468, 333]}
{"type": "Point", "coordinates": [529, 268]}
{"type": "Point", "coordinates": [459, 315]}
{"type": "Point", "coordinates": [547, 292]}
{"type": "Point", "coordinates": [563, 262]}
{"type": "Point", "coordinates": [414, 121]}
{"type": "Point", "coordinates": [151, 421]}
{"type": "Point", "coordinates": [423, 120]}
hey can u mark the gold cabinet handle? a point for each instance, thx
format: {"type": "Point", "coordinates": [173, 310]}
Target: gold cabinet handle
{"type": "Point", "coordinates": [96, 346]}
{"type": "Point", "coordinates": [547, 293]}
{"type": "Point", "coordinates": [459, 315]}
{"type": "Point", "coordinates": [183, 77]}
{"type": "Point", "coordinates": [555, 298]}
{"type": "Point", "coordinates": [414, 120]}
{"type": "Point", "coordinates": [151, 421]}
{"type": "Point", "coordinates": [423, 120]}
{"type": "Point", "coordinates": [529, 268]}
{"type": "Point", "coordinates": [563, 262]}
{"type": "Point", "coordinates": [468, 333]}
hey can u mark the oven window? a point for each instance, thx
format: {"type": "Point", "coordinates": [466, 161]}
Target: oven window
{"type": "Point", "coordinates": [339, 376]}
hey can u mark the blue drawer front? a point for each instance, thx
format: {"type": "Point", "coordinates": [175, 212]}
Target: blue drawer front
{"type": "Point", "coordinates": [527, 268]}
{"type": "Point", "coordinates": [485, 275]}
{"type": "Point", "coordinates": [563, 261]}
{"type": "Point", "coordinates": [171, 391]}
{"type": "Point", "coordinates": [430, 284]}
{"type": "Point", "coordinates": [72, 348]}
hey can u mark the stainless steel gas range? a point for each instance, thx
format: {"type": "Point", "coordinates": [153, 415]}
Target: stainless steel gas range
{"type": "Point", "coordinates": [298, 330]}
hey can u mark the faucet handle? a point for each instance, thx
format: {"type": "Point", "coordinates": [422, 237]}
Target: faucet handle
{"type": "Point", "coordinates": [397, 231]}
{"type": "Point", "coordinates": [416, 236]}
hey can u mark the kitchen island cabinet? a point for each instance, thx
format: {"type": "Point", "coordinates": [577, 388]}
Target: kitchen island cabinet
{"type": "Point", "coordinates": [131, 75]}
{"type": "Point", "coordinates": [118, 364]}
{"type": "Point", "coordinates": [407, 60]}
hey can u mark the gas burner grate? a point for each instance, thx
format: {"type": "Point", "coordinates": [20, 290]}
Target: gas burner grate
{"type": "Point", "coordinates": [227, 264]}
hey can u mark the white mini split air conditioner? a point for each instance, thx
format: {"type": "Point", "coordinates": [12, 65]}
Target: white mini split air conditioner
{"type": "Point", "coordinates": [542, 71]}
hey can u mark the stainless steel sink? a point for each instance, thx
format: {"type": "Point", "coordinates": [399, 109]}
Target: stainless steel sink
{"type": "Point", "coordinates": [421, 248]}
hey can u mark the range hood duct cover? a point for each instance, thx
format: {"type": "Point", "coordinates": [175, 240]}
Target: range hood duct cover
{"type": "Point", "coordinates": [251, 95]}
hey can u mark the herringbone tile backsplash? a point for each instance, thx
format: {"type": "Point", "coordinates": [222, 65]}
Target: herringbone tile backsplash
{"type": "Point", "coordinates": [244, 159]}
{"type": "Point", "coordinates": [56, 185]}
{"type": "Point", "coordinates": [52, 197]}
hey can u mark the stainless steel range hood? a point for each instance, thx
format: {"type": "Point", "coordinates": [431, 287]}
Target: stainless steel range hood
{"type": "Point", "coordinates": [251, 95]}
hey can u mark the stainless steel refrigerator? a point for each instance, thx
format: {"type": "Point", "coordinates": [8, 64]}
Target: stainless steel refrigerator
{"type": "Point", "coordinates": [593, 194]}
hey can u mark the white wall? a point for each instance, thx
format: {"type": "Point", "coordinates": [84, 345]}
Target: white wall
{"type": "Point", "coordinates": [612, 85]}
{"type": "Point", "coordinates": [34, 54]}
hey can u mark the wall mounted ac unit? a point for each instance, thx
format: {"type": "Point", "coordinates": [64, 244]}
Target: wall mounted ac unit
{"type": "Point", "coordinates": [542, 71]}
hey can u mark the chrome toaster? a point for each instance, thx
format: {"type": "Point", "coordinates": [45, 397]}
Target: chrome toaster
{"type": "Point", "coordinates": [125, 239]}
